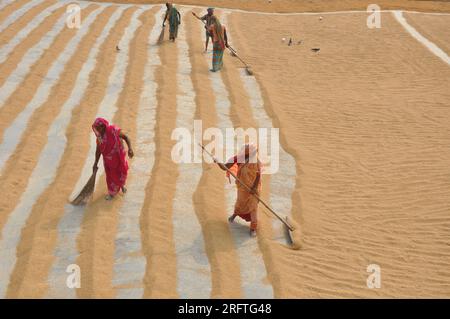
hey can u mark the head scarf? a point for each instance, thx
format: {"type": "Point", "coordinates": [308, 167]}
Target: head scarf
{"type": "Point", "coordinates": [100, 122]}
{"type": "Point", "coordinates": [252, 152]}
{"type": "Point", "coordinates": [109, 141]}
{"type": "Point", "coordinates": [240, 159]}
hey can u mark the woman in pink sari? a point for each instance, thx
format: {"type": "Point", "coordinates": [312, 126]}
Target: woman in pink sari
{"type": "Point", "coordinates": [247, 167]}
{"type": "Point", "coordinates": [110, 146]}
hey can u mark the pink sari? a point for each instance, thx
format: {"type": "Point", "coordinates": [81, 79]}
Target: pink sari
{"type": "Point", "coordinates": [114, 156]}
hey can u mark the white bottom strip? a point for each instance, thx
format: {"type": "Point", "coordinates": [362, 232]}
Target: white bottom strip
{"type": "Point", "coordinates": [129, 265]}
{"type": "Point", "coordinates": [282, 183]}
{"type": "Point", "coordinates": [193, 269]}
{"type": "Point", "coordinates": [252, 267]}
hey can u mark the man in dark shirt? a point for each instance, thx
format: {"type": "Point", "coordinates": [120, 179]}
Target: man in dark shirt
{"type": "Point", "coordinates": [207, 21]}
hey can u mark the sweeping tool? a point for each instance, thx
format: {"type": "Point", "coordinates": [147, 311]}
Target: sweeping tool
{"type": "Point", "coordinates": [86, 192]}
{"type": "Point", "coordinates": [161, 36]}
{"type": "Point", "coordinates": [233, 51]}
{"type": "Point", "coordinates": [248, 69]}
{"type": "Point", "coordinates": [292, 228]}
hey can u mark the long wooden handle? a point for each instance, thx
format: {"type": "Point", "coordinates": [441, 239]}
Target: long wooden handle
{"type": "Point", "coordinates": [232, 50]}
{"type": "Point", "coordinates": [195, 15]}
{"type": "Point", "coordinates": [248, 188]}
{"type": "Point", "coordinates": [237, 56]}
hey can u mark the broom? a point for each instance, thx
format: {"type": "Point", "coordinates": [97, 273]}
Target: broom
{"type": "Point", "coordinates": [291, 226]}
{"type": "Point", "coordinates": [161, 36]}
{"type": "Point", "coordinates": [86, 192]}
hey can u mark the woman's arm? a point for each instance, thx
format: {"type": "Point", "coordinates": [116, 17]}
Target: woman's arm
{"type": "Point", "coordinates": [127, 140]}
{"type": "Point", "coordinates": [97, 158]}
{"type": "Point", "coordinates": [228, 164]}
{"type": "Point", "coordinates": [195, 15]}
{"type": "Point", "coordinates": [165, 18]}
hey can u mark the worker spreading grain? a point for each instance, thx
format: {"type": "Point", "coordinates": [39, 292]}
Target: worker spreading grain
{"type": "Point", "coordinates": [220, 42]}
{"type": "Point", "coordinates": [174, 18]}
{"type": "Point", "coordinates": [247, 167]}
{"type": "Point", "coordinates": [110, 146]}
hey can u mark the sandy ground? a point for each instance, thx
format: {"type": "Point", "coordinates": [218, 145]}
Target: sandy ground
{"type": "Point", "coordinates": [432, 27]}
{"type": "Point", "coordinates": [290, 6]}
{"type": "Point", "coordinates": [366, 120]}
{"type": "Point", "coordinates": [368, 142]}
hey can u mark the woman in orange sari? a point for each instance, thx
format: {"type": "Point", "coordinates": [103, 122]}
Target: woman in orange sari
{"type": "Point", "coordinates": [220, 42]}
{"type": "Point", "coordinates": [247, 168]}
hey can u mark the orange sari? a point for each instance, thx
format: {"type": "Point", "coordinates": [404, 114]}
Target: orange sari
{"type": "Point", "coordinates": [246, 205]}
